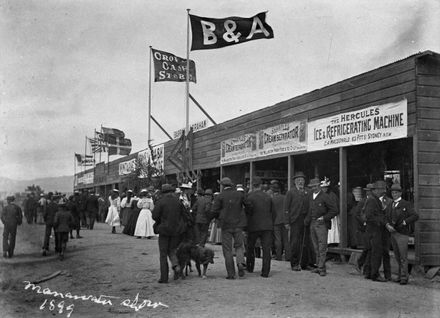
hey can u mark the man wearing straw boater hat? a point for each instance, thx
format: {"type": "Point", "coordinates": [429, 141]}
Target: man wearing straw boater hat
{"type": "Point", "coordinates": [400, 220]}
{"type": "Point", "coordinates": [321, 210]}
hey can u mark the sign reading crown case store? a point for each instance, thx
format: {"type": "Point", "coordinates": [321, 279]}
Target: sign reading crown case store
{"type": "Point", "coordinates": [367, 125]}
{"type": "Point", "coordinates": [283, 138]}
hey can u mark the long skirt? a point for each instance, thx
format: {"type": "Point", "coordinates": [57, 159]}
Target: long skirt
{"type": "Point", "coordinates": [131, 223]}
{"type": "Point", "coordinates": [333, 233]}
{"type": "Point", "coordinates": [144, 224]}
{"type": "Point", "coordinates": [126, 212]}
{"type": "Point", "coordinates": [215, 233]}
{"type": "Point", "coordinates": [113, 217]}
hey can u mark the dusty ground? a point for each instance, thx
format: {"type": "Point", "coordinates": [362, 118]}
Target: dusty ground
{"type": "Point", "coordinates": [122, 267]}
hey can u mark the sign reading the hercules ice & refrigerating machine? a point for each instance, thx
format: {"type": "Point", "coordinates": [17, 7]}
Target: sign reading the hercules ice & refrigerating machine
{"type": "Point", "coordinates": [239, 148]}
{"type": "Point", "coordinates": [371, 124]}
{"type": "Point", "coordinates": [283, 138]}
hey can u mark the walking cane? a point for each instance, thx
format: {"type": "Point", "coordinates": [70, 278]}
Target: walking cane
{"type": "Point", "coordinates": [302, 247]}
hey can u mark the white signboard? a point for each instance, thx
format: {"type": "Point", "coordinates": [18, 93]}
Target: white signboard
{"type": "Point", "coordinates": [157, 159]}
{"type": "Point", "coordinates": [239, 148]}
{"type": "Point", "coordinates": [127, 167]}
{"type": "Point", "coordinates": [196, 127]}
{"type": "Point", "coordinates": [367, 125]}
{"type": "Point", "coordinates": [86, 178]}
{"type": "Point", "coordinates": [283, 138]}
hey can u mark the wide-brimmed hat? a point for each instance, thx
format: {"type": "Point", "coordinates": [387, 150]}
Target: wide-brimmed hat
{"type": "Point", "coordinates": [167, 188]}
{"type": "Point", "coordinates": [368, 187]}
{"type": "Point", "coordinates": [325, 182]}
{"type": "Point", "coordinates": [186, 185]}
{"type": "Point", "coordinates": [314, 182]}
{"type": "Point", "coordinates": [299, 174]}
{"type": "Point", "coordinates": [144, 191]}
{"type": "Point", "coordinates": [226, 181]}
{"type": "Point", "coordinates": [10, 198]}
{"type": "Point", "coordinates": [208, 192]}
{"type": "Point", "coordinates": [130, 191]}
{"type": "Point", "coordinates": [396, 187]}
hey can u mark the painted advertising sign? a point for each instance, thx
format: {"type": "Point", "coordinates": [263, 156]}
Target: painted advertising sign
{"type": "Point", "coordinates": [239, 148]}
{"type": "Point", "coordinates": [127, 167]}
{"type": "Point", "coordinates": [283, 138]}
{"type": "Point", "coordinates": [367, 125]}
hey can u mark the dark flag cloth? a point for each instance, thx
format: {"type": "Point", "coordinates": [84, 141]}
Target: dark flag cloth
{"type": "Point", "coordinates": [119, 146]}
{"type": "Point", "coordinates": [209, 33]}
{"type": "Point", "coordinates": [86, 160]}
{"type": "Point", "coordinates": [168, 67]}
{"type": "Point", "coordinates": [113, 131]}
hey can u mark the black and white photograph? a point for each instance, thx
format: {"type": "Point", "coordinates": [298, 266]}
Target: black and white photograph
{"type": "Point", "coordinates": [220, 158]}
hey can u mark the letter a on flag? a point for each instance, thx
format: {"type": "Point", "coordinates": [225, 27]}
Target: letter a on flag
{"type": "Point", "coordinates": [209, 33]}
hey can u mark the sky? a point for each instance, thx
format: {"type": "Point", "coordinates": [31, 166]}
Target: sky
{"type": "Point", "coordinates": [70, 66]}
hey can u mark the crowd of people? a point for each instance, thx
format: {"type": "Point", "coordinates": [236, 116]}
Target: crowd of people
{"type": "Point", "coordinates": [295, 226]}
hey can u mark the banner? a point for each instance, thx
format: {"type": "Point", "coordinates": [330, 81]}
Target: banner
{"type": "Point", "coordinates": [168, 67]}
{"type": "Point", "coordinates": [240, 148]}
{"type": "Point", "coordinates": [195, 127]}
{"type": "Point", "coordinates": [127, 167]}
{"type": "Point", "coordinates": [86, 178]}
{"type": "Point", "coordinates": [209, 33]}
{"type": "Point", "coordinates": [154, 157]}
{"type": "Point", "coordinates": [118, 146]}
{"type": "Point", "coordinates": [367, 125]}
{"type": "Point", "coordinates": [283, 138]}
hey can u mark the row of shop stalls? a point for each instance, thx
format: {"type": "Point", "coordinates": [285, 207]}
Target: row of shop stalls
{"type": "Point", "coordinates": [380, 125]}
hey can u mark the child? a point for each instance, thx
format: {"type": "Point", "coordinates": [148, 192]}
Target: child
{"type": "Point", "coordinates": [63, 221]}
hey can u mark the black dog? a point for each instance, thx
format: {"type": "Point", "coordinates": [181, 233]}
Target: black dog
{"type": "Point", "coordinates": [188, 251]}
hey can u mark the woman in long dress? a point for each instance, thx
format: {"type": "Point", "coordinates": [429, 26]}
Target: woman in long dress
{"type": "Point", "coordinates": [126, 207]}
{"type": "Point", "coordinates": [144, 224]}
{"type": "Point", "coordinates": [132, 219]}
{"type": "Point", "coordinates": [113, 210]}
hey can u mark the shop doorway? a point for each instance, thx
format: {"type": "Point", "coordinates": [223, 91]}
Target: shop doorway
{"type": "Point", "coordinates": [272, 169]}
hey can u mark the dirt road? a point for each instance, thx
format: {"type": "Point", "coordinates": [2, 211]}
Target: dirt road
{"type": "Point", "coordinates": [103, 274]}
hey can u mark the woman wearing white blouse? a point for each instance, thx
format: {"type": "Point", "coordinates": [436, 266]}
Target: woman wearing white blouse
{"type": "Point", "coordinates": [145, 222]}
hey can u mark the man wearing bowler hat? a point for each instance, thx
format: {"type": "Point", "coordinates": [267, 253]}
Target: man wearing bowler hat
{"type": "Point", "coordinates": [261, 214]}
{"type": "Point", "coordinates": [170, 225]}
{"type": "Point", "coordinates": [228, 209]}
{"type": "Point", "coordinates": [400, 219]}
{"type": "Point", "coordinates": [295, 211]}
{"type": "Point", "coordinates": [321, 210]}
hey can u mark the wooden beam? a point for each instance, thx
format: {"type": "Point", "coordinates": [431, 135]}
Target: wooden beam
{"type": "Point", "coordinates": [343, 195]}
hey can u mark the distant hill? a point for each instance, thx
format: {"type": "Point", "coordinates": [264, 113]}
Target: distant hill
{"type": "Point", "coordinates": [62, 184]}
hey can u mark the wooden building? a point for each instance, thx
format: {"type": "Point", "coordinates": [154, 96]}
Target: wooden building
{"type": "Point", "coordinates": [401, 100]}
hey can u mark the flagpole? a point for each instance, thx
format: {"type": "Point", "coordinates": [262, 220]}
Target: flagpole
{"type": "Point", "coordinates": [187, 74]}
{"type": "Point", "coordinates": [85, 154]}
{"type": "Point", "coordinates": [74, 171]}
{"type": "Point", "coordinates": [149, 102]}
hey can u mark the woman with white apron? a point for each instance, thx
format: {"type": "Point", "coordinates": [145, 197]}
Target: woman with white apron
{"type": "Point", "coordinates": [144, 224]}
{"type": "Point", "coordinates": [113, 210]}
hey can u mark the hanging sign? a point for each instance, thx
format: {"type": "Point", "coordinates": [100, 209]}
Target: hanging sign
{"type": "Point", "coordinates": [367, 125]}
{"type": "Point", "coordinates": [239, 148]}
{"type": "Point", "coordinates": [283, 138]}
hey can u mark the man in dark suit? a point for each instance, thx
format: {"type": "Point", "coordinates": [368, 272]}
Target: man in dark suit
{"type": "Point", "coordinates": [295, 209]}
{"type": "Point", "coordinates": [321, 210]}
{"type": "Point", "coordinates": [49, 216]}
{"type": "Point", "coordinates": [92, 207]}
{"type": "Point", "coordinates": [260, 213]}
{"type": "Point", "coordinates": [170, 225]}
{"type": "Point", "coordinates": [400, 219]}
{"type": "Point", "coordinates": [375, 221]}
{"type": "Point", "coordinates": [380, 191]}
{"type": "Point", "coordinates": [11, 217]}
{"type": "Point", "coordinates": [228, 209]}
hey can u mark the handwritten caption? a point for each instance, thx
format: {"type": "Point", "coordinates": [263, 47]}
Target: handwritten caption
{"type": "Point", "coordinates": [61, 306]}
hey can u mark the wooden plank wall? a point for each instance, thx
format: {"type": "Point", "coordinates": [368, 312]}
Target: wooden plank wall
{"type": "Point", "coordinates": [428, 160]}
{"type": "Point", "coordinates": [389, 83]}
